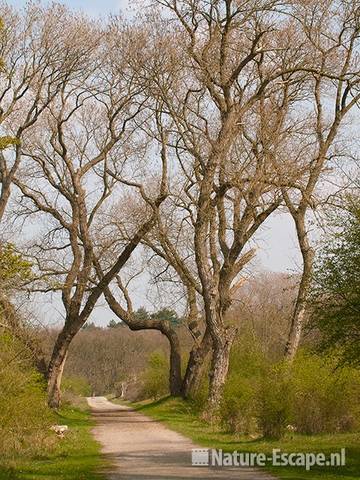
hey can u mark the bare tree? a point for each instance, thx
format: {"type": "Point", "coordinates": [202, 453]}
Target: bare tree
{"type": "Point", "coordinates": [197, 123]}
{"type": "Point", "coordinates": [231, 59]}
{"type": "Point", "coordinates": [65, 181]}
{"type": "Point", "coordinates": [333, 34]}
{"type": "Point", "coordinates": [40, 54]}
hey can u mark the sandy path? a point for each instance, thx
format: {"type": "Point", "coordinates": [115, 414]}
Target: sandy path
{"type": "Point", "coordinates": [142, 449]}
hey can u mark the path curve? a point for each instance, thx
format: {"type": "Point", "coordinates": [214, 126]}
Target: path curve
{"type": "Point", "coordinates": [141, 448]}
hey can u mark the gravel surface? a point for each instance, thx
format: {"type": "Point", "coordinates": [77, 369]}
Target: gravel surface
{"type": "Point", "coordinates": [143, 449]}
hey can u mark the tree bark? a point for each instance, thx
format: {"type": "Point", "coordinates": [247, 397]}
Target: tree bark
{"type": "Point", "coordinates": [4, 198]}
{"type": "Point", "coordinates": [298, 317]}
{"type": "Point", "coordinates": [57, 364]}
{"type": "Point", "coordinates": [175, 379]}
{"type": "Point", "coordinates": [196, 365]}
{"type": "Point", "coordinates": [54, 382]}
{"type": "Point", "coordinates": [219, 368]}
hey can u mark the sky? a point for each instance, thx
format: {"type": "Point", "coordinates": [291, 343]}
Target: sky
{"type": "Point", "coordinates": [277, 246]}
{"type": "Point", "coordinates": [92, 7]}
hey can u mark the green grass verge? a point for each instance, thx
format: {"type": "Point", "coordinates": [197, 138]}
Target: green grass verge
{"type": "Point", "coordinates": [75, 457]}
{"type": "Point", "coordinates": [179, 416]}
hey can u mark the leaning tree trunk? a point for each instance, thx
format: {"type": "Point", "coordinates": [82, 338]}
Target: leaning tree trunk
{"type": "Point", "coordinates": [56, 366]}
{"type": "Point", "coordinates": [135, 324]}
{"type": "Point", "coordinates": [219, 368]}
{"type": "Point", "coordinates": [196, 365]}
{"type": "Point", "coordinates": [54, 381]}
{"type": "Point", "coordinates": [298, 317]}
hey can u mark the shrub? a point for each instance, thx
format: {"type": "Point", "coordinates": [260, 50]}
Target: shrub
{"type": "Point", "coordinates": [274, 401]}
{"type": "Point", "coordinates": [76, 385]}
{"type": "Point", "coordinates": [261, 397]}
{"type": "Point", "coordinates": [326, 398]}
{"type": "Point", "coordinates": [238, 409]}
{"type": "Point", "coordinates": [155, 378]}
{"type": "Point", "coordinates": [24, 416]}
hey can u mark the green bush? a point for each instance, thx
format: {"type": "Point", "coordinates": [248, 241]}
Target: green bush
{"type": "Point", "coordinates": [238, 409]}
{"type": "Point", "coordinates": [312, 395]}
{"type": "Point", "coordinates": [326, 398]}
{"type": "Point", "coordinates": [24, 416]}
{"type": "Point", "coordinates": [199, 398]}
{"type": "Point", "coordinates": [156, 377]}
{"type": "Point", "coordinates": [275, 401]}
{"type": "Point", "coordinates": [75, 385]}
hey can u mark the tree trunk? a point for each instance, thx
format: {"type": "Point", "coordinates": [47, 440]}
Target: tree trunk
{"type": "Point", "coordinates": [219, 369]}
{"type": "Point", "coordinates": [175, 380]}
{"type": "Point", "coordinates": [56, 366]}
{"type": "Point", "coordinates": [295, 333]}
{"type": "Point", "coordinates": [298, 318]}
{"type": "Point", "coordinates": [195, 367]}
{"type": "Point", "coordinates": [135, 324]}
{"type": "Point", "coordinates": [54, 382]}
{"type": "Point", "coordinates": [4, 197]}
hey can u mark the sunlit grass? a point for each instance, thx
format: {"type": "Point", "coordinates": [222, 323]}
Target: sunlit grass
{"type": "Point", "coordinates": [180, 416]}
{"type": "Point", "coordinates": [75, 457]}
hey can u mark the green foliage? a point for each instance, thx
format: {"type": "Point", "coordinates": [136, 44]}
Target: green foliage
{"type": "Point", "coordinates": [155, 377]}
{"type": "Point", "coordinates": [336, 294]}
{"type": "Point", "coordinates": [114, 324]}
{"type": "Point", "coordinates": [28, 447]}
{"type": "Point", "coordinates": [14, 269]}
{"type": "Point", "coordinates": [164, 314]}
{"type": "Point", "coordinates": [7, 141]}
{"type": "Point", "coordinates": [167, 314]}
{"type": "Point", "coordinates": [76, 385]}
{"type": "Point", "coordinates": [257, 395]}
{"type": "Point", "coordinates": [24, 415]}
{"type": "Point", "coordinates": [142, 314]}
{"type": "Point", "coordinates": [274, 401]}
{"type": "Point", "coordinates": [261, 397]}
{"type": "Point", "coordinates": [326, 398]}
{"type": "Point", "coordinates": [238, 405]}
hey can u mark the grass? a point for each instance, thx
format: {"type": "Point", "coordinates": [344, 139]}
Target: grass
{"type": "Point", "coordinates": [75, 457]}
{"type": "Point", "coordinates": [180, 416]}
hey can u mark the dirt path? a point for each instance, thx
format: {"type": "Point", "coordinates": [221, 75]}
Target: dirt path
{"type": "Point", "coordinates": [142, 449]}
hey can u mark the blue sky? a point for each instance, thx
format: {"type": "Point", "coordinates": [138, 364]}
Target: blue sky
{"type": "Point", "coordinates": [93, 7]}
